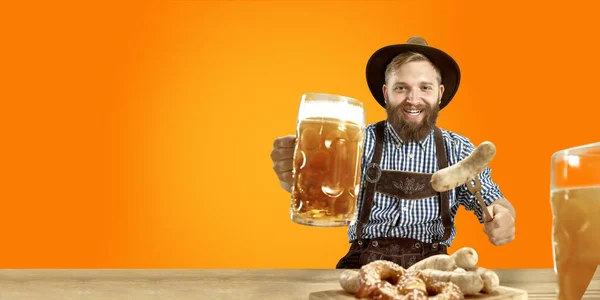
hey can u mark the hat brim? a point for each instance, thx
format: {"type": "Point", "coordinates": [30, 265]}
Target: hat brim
{"type": "Point", "coordinates": [378, 62]}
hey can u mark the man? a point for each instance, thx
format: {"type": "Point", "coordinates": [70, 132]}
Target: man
{"type": "Point", "coordinates": [413, 82]}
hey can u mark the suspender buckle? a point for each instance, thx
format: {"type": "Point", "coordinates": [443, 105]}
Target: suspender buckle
{"type": "Point", "coordinates": [375, 167]}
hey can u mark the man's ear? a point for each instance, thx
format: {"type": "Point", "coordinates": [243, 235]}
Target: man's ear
{"type": "Point", "coordinates": [385, 96]}
{"type": "Point", "coordinates": [441, 93]}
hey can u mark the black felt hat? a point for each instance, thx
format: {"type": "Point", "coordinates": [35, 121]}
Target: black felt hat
{"type": "Point", "coordinates": [378, 62]}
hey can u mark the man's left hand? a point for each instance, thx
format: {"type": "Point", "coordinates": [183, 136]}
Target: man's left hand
{"type": "Point", "coordinates": [501, 229]}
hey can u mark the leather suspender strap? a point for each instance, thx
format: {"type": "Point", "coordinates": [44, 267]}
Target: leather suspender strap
{"type": "Point", "coordinates": [444, 197]}
{"type": "Point", "coordinates": [373, 173]}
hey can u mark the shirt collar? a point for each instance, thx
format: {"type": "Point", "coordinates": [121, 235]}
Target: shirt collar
{"type": "Point", "coordinates": [423, 144]}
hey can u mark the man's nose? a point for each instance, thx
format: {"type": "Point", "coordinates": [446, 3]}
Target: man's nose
{"type": "Point", "coordinates": [412, 96]}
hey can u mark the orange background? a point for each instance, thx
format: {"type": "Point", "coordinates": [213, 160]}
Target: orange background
{"type": "Point", "coordinates": [138, 135]}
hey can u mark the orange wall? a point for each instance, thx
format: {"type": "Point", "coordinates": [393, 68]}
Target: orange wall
{"type": "Point", "coordinates": [138, 135]}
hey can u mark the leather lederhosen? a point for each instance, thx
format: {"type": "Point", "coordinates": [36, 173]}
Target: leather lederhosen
{"type": "Point", "coordinates": [403, 185]}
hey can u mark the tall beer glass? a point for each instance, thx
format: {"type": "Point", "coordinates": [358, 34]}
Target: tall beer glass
{"type": "Point", "coordinates": [327, 160]}
{"type": "Point", "coordinates": [575, 201]}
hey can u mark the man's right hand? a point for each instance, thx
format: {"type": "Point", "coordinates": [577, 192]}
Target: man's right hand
{"type": "Point", "coordinates": [283, 160]}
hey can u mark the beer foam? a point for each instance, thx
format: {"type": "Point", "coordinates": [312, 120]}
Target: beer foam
{"type": "Point", "coordinates": [337, 110]}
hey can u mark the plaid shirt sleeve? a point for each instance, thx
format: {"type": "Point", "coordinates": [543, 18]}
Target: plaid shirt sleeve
{"type": "Point", "coordinates": [490, 191]}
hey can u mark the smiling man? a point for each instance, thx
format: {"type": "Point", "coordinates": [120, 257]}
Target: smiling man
{"type": "Point", "coordinates": [410, 221]}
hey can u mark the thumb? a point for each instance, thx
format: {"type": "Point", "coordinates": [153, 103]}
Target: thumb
{"type": "Point", "coordinates": [490, 209]}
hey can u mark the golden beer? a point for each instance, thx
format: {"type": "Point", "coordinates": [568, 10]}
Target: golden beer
{"type": "Point", "coordinates": [327, 160]}
{"type": "Point", "coordinates": [576, 232]}
{"type": "Point", "coordinates": [575, 202]}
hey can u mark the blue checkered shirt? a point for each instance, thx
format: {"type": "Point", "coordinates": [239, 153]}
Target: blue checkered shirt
{"type": "Point", "coordinates": [418, 219]}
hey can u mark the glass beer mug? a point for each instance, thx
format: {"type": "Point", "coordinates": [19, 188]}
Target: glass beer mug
{"type": "Point", "coordinates": [327, 160]}
{"type": "Point", "coordinates": [575, 201]}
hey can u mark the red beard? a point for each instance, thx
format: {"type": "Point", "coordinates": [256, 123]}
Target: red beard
{"type": "Point", "coordinates": [407, 129]}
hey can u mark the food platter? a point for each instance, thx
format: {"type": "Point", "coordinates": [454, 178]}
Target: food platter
{"type": "Point", "coordinates": [444, 276]}
{"type": "Point", "coordinates": [501, 293]}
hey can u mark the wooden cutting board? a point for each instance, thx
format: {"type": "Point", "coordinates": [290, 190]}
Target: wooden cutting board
{"type": "Point", "coordinates": [502, 293]}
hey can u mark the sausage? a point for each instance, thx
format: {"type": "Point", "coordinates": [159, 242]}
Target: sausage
{"type": "Point", "coordinates": [489, 277]}
{"type": "Point", "coordinates": [349, 281]}
{"type": "Point", "coordinates": [466, 169]}
{"type": "Point", "coordinates": [442, 262]}
{"type": "Point", "coordinates": [469, 283]}
{"type": "Point", "coordinates": [465, 257]}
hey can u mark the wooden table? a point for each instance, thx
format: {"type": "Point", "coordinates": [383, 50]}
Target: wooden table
{"type": "Point", "coordinates": [261, 284]}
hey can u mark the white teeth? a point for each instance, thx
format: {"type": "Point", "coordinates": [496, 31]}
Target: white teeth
{"type": "Point", "coordinates": [413, 112]}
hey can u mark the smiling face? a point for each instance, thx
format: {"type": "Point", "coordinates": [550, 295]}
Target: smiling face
{"type": "Point", "coordinates": [412, 93]}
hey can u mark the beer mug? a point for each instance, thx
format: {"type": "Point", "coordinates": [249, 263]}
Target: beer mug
{"type": "Point", "coordinates": [330, 131]}
{"type": "Point", "coordinates": [575, 201]}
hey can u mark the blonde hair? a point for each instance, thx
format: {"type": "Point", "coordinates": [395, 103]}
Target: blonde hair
{"type": "Point", "coordinates": [406, 57]}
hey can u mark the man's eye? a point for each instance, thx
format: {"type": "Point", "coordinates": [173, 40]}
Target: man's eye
{"type": "Point", "coordinates": [399, 88]}
{"type": "Point", "coordinates": [427, 88]}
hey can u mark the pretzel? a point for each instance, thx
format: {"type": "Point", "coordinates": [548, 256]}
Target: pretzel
{"type": "Point", "coordinates": [379, 278]}
{"type": "Point", "coordinates": [386, 280]}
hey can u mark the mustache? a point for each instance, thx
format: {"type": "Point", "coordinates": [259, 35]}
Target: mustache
{"type": "Point", "coordinates": [408, 106]}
